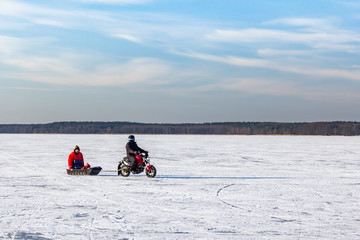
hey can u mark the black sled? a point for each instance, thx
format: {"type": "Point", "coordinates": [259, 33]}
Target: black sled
{"type": "Point", "coordinates": [88, 171]}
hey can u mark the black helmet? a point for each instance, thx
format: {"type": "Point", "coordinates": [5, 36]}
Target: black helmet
{"type": "Point", "coordinates": [131, 138]}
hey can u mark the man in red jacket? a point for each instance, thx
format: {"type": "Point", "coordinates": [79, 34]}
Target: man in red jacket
{"type": "Point", "coordinates": [76, 159]}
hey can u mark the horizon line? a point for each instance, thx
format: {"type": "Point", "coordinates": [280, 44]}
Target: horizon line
{"type": "Point", "coordinates": [188, 123]}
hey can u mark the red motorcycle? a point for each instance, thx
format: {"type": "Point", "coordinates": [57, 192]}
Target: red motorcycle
{"type": "Point", "coordinates": [143, 162]}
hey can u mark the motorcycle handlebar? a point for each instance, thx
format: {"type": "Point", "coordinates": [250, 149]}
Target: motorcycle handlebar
{"type": "Point", "coordinates": [144, 155]}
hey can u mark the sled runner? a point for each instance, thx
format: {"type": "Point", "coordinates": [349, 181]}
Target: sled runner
{"type": "Point", "coordinates": [88, 171]}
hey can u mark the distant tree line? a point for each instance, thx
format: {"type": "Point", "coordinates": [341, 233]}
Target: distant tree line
{"type": "Point", "coordinates": [234, 128]}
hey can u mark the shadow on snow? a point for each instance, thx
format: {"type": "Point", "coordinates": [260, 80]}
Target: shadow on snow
{"type": "Point", "coordinates": [200, 177]}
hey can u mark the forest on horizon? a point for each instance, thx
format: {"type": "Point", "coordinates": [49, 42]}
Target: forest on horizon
{"type": "Point", "coordinates": [338, 128]}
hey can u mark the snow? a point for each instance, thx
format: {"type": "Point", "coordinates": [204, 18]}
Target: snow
{"type": "Point", "coordinates": [207, 187]}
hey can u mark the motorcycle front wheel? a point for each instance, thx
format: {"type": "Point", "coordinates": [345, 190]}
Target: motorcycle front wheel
{"type": "Point", "coordinates": [151, 172]}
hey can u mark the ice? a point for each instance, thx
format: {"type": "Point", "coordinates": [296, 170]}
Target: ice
{"type": "Point", "coordinates": [207, 187]}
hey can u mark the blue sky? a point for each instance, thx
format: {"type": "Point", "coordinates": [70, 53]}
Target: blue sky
{"type": "Point", "coordinates": [179, 61]}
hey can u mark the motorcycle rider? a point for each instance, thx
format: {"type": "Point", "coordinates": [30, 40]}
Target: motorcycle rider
{"type": "Point", "coordinates": [132, 149]}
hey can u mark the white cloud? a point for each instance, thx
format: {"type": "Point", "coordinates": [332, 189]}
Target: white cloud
{"type": "Point", "coordinates": [9, 44]}
{"type": "Point", "coordinates": [27, 15]}
{"type": "Point", "coordinates": [314, 33]}
{"type": "Point", "coordinates": [139, 70]}
{"type": "Point", "coordinates": [268, 52]}
{"type": "Point", "coordinates": [7, 23]}
{"type": "Point", "coordinates": [144, 27]}
{"type": "Point", "coordinates": [50, 22]}
{"type": "Point", "coordinates": [261, 86]}
{"type": "Point", "coordinates": [168, 32]}
{"type": "Point", "coordinates": [121, 2]}
{"type": "Point", "coordinates": [11, 47]}
{"type": "Point", "coordinates": [21, 10]}
{"type": "Point", "coordinates": [352, 4]}
{"type": "Point", "coordinates": [278, 66]}
{"type": "Point", "coordinates": [288, 89]}
{"type": "Point", "coordinates": [245, 62]}
{"type": "Point", "coordinates": [128, 37]}
{"type": "Point", "coordinates": [253, 35]}
{"type": "Point", "coordinates": [68, 69]}
{"type": "Point", "coordinates": [33, 89]}
{"type": "Point", "coordinates": [148, 73]}
{"type": "Point", "coordinates": [316, 23]}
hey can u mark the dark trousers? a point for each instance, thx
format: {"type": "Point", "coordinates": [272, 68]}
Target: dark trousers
{"type": "Point", "coordinates": [77, 164]}
{"type": "Point", "coordinates": [133, 162]}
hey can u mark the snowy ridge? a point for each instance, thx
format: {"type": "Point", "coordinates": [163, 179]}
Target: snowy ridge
{"type": "Point", "coordinates": [208, 187]}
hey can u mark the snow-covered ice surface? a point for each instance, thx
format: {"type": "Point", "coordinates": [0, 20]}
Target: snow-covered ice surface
{"type": "Point", "coordinates": [207, 187]}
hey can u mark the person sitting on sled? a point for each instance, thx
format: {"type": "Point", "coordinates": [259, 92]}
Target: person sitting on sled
{"type": "Point", "coordinates": [76, 160]}
{"type": "Point", "coordinates": [132, 149]}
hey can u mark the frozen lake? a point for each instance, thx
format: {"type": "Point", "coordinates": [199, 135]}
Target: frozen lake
{"type": "Point", "coordinates": [207, 187]}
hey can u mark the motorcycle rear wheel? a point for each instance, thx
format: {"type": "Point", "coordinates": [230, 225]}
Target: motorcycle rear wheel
{"type": "Point", "coordinates": [119, 169]}
{"type": "Point", "coordinates": [151, 172]}
{"type": "Point", "coordinates": [125, 172]}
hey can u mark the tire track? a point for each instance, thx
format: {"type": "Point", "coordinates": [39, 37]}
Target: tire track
{"type": "Point", "coordinates": [67, 178]}
{"type": "Point", "coordinates": [2, 233]}
{"type": "Point", "coordinates": [293, 199]}
{"type": "Point", "coordinates": [248, 211]}
{"type": "Point", "coordinates": [103, 198]}
{"type": "Point", "coordinates": [229, 204]}
{"type": "Point", "coordinates": [93, 219]}
{"type": "Point", "coordinates": [38, 207]}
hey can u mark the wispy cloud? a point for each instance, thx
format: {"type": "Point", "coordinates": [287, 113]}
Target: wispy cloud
{"type": "Point", "coordinates": [269, 52]}
{"type": "Point", "coordinates": [121, 2]}
{"type": "Point", "coordinates": [50, 22]}
{"type": "Point", "coordinates": [148, 28]}
{"type": "Point", "coordinates": [33, 89]}
{"type": "Point", "coordinates": [315, 33]}
{"type": "Point", "coordinates": [27, 15]}
{"type": "Point", "coordinates": [289, 89]}
{"type": "Point", "coordinates": [330, 40]}
{"type": "Point", "coordinates": [278, 66]}
{"type": "Point", "coordinates": [21, 10]}
{"type": "Point", "coordinates": [352, 4]}
{"type": "Point", "coordinates": [9, 44]}
{"type": "Point", "coordinates": [164, 32]}
{"type": "Point", "coordinates": [12, 47]}
{"type": "Point", "coordinates": [63, 70]}
{"type": "Point", "coordinates": [68, 68]}
{"type": "Point", "coordinates": [316, 23]}
{"type": "Point", "coordinates": [128, 37]}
